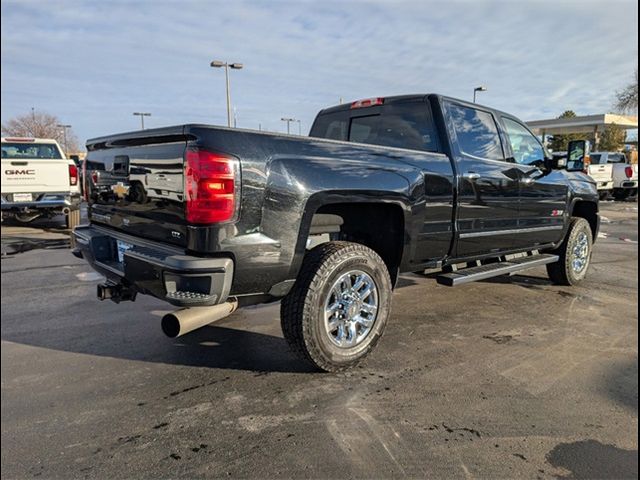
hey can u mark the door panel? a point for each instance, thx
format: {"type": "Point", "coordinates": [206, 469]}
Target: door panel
{"type": "Point", "coordinates": [488, 194]}
{"type": "Point", "coordinates": [488, 186]}
{"type": "Point", "coordinates": [543, 193]}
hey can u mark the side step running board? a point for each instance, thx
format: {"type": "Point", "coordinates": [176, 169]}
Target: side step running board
{"type": "Point", "coordinates": [473, 274]}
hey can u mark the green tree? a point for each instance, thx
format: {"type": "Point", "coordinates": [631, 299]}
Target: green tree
{"type": "Point", "coordinates": [612, 139]}
{"type": "Point", "coordinates": [627, 98]}
{"type": "Point", "coordinates": [560, 142]}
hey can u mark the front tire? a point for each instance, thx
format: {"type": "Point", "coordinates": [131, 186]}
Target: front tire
{"type": "Point", "coordinates": [575, 254]}
{"type": "Point", "coordinates": [338, 307]}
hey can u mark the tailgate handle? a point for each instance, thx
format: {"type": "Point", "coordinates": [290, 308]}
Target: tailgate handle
{"type": "Point", "coordinates": [19, 164]}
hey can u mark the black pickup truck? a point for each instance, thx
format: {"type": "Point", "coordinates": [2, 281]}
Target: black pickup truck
{"type": "Point", "coordinates": [211, 218]}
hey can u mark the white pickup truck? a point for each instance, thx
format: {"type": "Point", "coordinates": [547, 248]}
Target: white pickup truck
{"type": "Point", "coordinates": [625, 175]}
{"type": "Point", "coordinates": [38, 181]}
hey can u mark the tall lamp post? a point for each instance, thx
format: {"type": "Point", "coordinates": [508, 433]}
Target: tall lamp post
{"type": "Point", "coordinates": [227, 66]}
{"type": "Point", "coordinates": [481, 88]}
{"type": "Point", "coordinates": [64, 133]}
{"type": "Point", "coordinates": [288, 120]}
{"type": "Point", "coordinates": [142, 115]}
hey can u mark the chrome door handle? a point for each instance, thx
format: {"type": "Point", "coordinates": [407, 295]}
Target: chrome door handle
{"type": "Point", "coordinates": [471, 176]}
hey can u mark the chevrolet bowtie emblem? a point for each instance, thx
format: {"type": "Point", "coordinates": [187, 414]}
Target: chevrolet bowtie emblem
{"type": "Point", "coordinates": [120, 189]}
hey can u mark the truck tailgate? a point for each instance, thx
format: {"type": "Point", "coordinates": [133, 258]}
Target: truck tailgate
{"type": "Point", "coordinates": [601, 173]}
{"type": "Point", "coordinates": [39, 175]}
{"type": "Point", "coordinates": [141, 191]}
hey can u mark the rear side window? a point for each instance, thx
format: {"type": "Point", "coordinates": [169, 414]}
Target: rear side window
{"type": "Point", "coordinates": [402, 125]}
{"type": "Point", "coordinates": [334, 126]}
{"type": "Point", "coordinates": [476, 131]}
{"type": "Point", "coordinates": [595, 158]}
{"type": "Point", "coordinates": [31, 150]}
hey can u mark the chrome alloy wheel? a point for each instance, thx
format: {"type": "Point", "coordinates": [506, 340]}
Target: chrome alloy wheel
{"type": "Point", "coordinates": [580, 253]}
{"type": "Point", "coordinates": [351, 309]}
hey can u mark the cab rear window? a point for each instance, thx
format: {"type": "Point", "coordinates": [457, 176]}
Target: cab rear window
{"type": "Point", "coordinates": [30, 150]}
{"type": "Point", "coordinates": [402, 125]}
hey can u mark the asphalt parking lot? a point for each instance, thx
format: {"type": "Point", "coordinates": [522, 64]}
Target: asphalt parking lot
{"type": "Point", "coordinates": [511, 377]}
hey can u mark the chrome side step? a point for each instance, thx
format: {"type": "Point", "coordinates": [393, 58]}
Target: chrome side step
{"type": "Point", "coordinates": [481, 272]}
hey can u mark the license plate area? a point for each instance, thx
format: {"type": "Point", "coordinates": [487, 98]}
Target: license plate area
{"type": "Point", "coordinates": [121, 248]}
{"type": "Point", "coordinates": [23, 197]}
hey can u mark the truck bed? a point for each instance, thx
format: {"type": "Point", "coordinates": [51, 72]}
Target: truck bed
{"type": "Point", "coordinates": [278, 181]}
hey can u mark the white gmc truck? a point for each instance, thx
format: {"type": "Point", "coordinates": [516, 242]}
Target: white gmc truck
{"type": "Point", "coordinates": [624, 175]}
{"type": "Point", "coordinates": [38, 181]}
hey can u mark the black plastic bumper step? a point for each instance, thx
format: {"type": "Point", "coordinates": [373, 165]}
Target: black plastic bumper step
{"type": "Point", "coordinates": [191, 298]}
{"type": "Point", "coordinates": [473, 274]}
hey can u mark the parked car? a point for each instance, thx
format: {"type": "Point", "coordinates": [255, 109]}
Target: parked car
{"type": "Point", "coordinates": [38, 181]}
{"type": "Point", "coordinates": [624, 175]}
{"type": "Point", "coordinates": [327, 223]}
{"type": "Point", "coordinates": [602, 174]}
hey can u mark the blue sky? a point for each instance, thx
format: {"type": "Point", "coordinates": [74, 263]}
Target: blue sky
{"type": "Point", "coordinates": [94, 63]}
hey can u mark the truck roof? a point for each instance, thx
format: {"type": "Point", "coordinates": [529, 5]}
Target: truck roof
{"type": "Point", "coordinates": [28, 140]}
{"type": "Point", "coordinates": [408, 98]}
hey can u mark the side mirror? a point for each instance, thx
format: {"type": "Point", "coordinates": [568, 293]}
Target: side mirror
{"type": "Point", "coordinates": [578, 155]}
{"type": "Point", "coordinates": [555, 163]}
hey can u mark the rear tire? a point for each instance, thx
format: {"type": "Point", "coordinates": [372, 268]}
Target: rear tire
{"type": "Point", "coordinates": [621, 194]}
{"type": "Point", "coordinates": [575, 254]}
{"type": "Point", "coordinates": [73, 219]}
{"type": "Point", "coordinates": [338, 307]}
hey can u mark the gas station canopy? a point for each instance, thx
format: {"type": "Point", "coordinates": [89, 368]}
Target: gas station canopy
{"type": "Point", "coordinates": [586, 124]}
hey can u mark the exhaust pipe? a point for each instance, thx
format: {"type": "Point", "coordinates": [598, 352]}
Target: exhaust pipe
{"type": "Point", "coordinates": [187, 320]}
{"type": "Point", "coordinates": [66, 210]}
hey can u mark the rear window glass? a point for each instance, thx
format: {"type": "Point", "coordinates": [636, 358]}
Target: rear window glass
{"type": "Point", "coordinates": [595, 158]}
{"type": "Point", "coordinates": [30, 150]}
{"type": "Point", "coordinates": [402, 125]}
{"type": "Point", "coordinates": [617, 158]}
{"type": "Point", "coordinates": [476, 131]}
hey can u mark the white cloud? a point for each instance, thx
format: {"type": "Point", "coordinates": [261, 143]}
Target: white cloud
{"type": "Point", "coordinates": [93, 63]}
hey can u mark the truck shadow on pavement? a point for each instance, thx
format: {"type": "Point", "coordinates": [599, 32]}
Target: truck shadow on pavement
{"type": "Point", "coordinates": [213, 346]}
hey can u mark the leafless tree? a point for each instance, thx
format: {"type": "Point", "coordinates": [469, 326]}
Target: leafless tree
{"type": "Point", "coordinates": [627, 98]}
{"type": "Point", "coordinates": [41, 125]}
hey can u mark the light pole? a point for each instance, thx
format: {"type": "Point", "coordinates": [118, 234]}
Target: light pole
{"type": "Point", "coordinates": [142, 115]}
{"type": "Point", "coordinates": [299, 127]}
{"type": "Point", "coordinates": [64, 133]}
{"type": "Point", "coordinates": [288, 120]}
{"type": "Point", "coordinates": [481, 88]}
{"type": "Point", "coordinates": [227, 65]}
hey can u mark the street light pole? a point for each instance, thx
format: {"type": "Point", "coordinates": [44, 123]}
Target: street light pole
{"type": "Point", "coordinates": [227, 66]}
{"type": "Point", "coordinates": [142, 115]}
{"type": "Point", "coordinates": [481, 88]}
{"type": "Point", "coordinates": [64, 133]}
{"type": "Point", "coordinates": [288, 120]}
{"type": "Point", "coordinates": [299, 127]}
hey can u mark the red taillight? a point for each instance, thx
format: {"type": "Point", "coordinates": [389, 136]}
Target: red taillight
{"type": "Point", "coordinates": [73, 175]}
{"type": "Point", "coordinates": [628, 171]}
{"type": "Point", "coordinates": [368, 102]}
{"type": "Point", "coordinates": [209, 183]}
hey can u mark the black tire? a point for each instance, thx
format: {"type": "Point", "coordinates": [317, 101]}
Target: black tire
{"type": "Point", "coordinates": [302, 312]}
{"type": "Point", "coordinates": [603, 195]}
{"type": "Point", "coordinates": [563, 271]}
{"type": "Point", "coordinates": [72, 219]}
{"type": "Point", "coordinates": [621, 194]}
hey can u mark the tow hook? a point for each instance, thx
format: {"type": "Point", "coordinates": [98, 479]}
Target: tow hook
{"type": "Point", "coordinates": [116, 293]}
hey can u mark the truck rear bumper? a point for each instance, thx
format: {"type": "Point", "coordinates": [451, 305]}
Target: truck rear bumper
{"type": "Point", "coordinates": [605, 185]}
{"type": "Point", "coordinates": [43, 201]}
{"type": "Point", "coordinates": [154, 269]}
